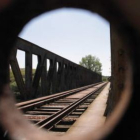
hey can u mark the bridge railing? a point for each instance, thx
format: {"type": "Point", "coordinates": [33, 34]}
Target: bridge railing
{"type": "Point", "coordinates": [61, 75]}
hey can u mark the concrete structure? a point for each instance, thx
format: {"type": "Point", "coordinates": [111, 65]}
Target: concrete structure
{"type": "Point", "coordinates": [93, 119]}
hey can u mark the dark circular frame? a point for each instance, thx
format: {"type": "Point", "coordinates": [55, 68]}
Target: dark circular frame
{"type": "Point", "coordinates": [13, 18]}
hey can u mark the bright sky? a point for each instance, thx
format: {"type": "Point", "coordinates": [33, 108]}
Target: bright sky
{"type": "Point", "coordinates": [72, 34]}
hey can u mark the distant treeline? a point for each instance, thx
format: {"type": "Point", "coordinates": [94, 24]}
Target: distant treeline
{"type": "Point", "coordinates": [105, 78]}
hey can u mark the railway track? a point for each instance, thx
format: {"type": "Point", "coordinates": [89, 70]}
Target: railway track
{"type": "Point", "coordinates": [59, 111]}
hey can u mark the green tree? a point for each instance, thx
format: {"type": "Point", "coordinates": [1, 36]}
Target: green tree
{"type": "Point", "coordinates": [91, 62]}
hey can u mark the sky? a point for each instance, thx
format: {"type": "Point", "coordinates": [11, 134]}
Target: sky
{"type": "Point", "coordinates": [70, 33]}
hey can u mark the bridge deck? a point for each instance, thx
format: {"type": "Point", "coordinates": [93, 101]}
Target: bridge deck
{"type": "Point", "coordinates": [59, 113]}
{"type": "Point", "coordinates": [92, 118]}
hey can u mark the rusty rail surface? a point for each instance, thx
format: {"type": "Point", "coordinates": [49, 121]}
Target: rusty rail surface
{"type": "Point", "coordinates": [69, 104]}
{"type": "Point", "coordinates": [54, 119]}
{"type": "Point", "coordinates": [39, 101]}
{"type": "Point", "coordinates": [62, 75]}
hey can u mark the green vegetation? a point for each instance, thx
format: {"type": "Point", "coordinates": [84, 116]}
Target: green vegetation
{"type": "Point", "coordinates": [92, 62]}
{"type": "Point", "coordinates": [12, 79]}
{"type": "Point", "coordinates": [105, 78]}
{"type": "Point", "coordinates": [13, 83]}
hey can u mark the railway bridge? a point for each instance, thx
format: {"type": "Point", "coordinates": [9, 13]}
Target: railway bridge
{"type": "Point", "coordinates": [53, 73]}
{"type": "Point", "coordinates": [58, 92]}
{"type": "Point", "coordinates": [76, 88]}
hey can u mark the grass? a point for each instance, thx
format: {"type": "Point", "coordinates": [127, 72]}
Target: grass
{"type": "Point", "coordinates": [13, 83]}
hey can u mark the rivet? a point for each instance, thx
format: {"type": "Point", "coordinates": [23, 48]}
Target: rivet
{"type": "Point", "coordinates": [121, 52]}
{"type": "Point", "coordinates": [121, 86]}
{"type": "Point", "coordinates": [121, 69]}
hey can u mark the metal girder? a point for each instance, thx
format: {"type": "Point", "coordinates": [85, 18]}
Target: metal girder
{"type": "Point", "coordinates": [62, 73]}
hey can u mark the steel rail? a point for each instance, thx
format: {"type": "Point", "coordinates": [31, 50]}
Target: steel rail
{"type": "Point", "coordinates": [56, 118]}
{"type": "Point", "coordinates": [40, 101]}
